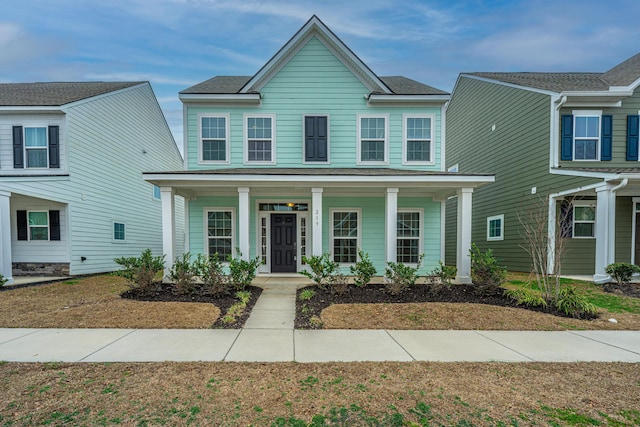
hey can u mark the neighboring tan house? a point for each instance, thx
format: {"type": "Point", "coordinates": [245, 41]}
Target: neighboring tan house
{"type": "Point", "coordinates": [567, 136]}
{"type": "Point", "coordinates": [316, 153]}
{"type": "Point", "coordinates": [72, 197]}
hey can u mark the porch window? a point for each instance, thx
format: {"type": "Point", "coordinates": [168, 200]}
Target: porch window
{"type": "Point", "coordinates": [372, 139]}
{"type": "Point", "coordinates": [214, 139]}
{"type": "Point", "coordinates": [38, 225]}
{"type": "Point", "coordinates": [418, 139]}
{"type": "Point", "coordinates": [220, 232]}
{"type": "Point", "coordinates": [36, 147]}
{"type": "Point", "coordinates": [260, 139]}
{"type": "Point", "coordinates": [345, 236]}
{"type": "Point", "coordinates": [495, 227]}
{"type": "Point", "coordinates": [584, 221]}
{"type": "Point", "coordinates": [409, 232]}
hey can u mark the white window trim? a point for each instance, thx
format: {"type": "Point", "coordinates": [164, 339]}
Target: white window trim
{"type": "Point", "coordinates": [493, 218]}
{"type": "Point", "coordinates": [420, 211]}
{"type": "Point", "coordinates": [113, 231]}
{"type": "Point", "coordinates": [358, 211]}
{"type": "Point", "coordinates": [201, 160]}
{"type": "Point", "coordinates": [205, 236]}
{"type": "Point", "coordinates": [304, 134]}
{"type": "Point", "coordinates": [25, 149]}
{"type": "Point", "coordinates": [38, 226]}
{"type": "Point", "coordinates": [359, 118]}
{"type": "Point", "coordinates": [587, 113]}
{"type": "Point", "coordinates": [245, 121]}
{"type": "Point", "coordinates": [432, 153]}
{"type": "Point", "coordinates": [583, 203]}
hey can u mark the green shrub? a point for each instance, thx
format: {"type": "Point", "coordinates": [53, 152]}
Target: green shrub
{"type": "Point", "coordinates": [209, 269]}
{"type": "Point", "coordinates": [526, 297]}
{"type": "Point", "coordinates": [621, 271]}
{"type": "Point", "coordinates": [338, 283]}
{"type": "Point", "coordinates": [3, 280]}
{"type": "Point", "coordinates": [183, 274]}
{"type": "Point", "coordinates": [363, 270]}
{"type": "Point", "coordinates": [141, 271]}
{"type": "Point", "coordinates": [486, 273]}
{"type": "Point", "coordinates": [242, 272]}
{"type": "Point", "coordinates": [243, 296]}
{"type": "Point", "coordinates": [399, 277]}
{"type": "Point", "coordinates": [322, 268]}
{"type": "Point", "coordinates": [444, 274]}
{"type": "Point", "coordinates": [306, 294]}
{"type": "Point", "coordinates": [571, 303]}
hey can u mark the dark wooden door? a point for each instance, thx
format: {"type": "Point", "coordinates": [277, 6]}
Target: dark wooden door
{"type": "Point", "coordinates": [283, 243]}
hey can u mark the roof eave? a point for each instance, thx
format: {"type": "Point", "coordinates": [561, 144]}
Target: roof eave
{"type": "Point", "coordinates": [408, 99]}
{"type": "Point", "coordinates": [31, 109]}
{"type": "Point", "coordinates": [245, 98]}
{"type": "Point", "coordinates": [603, 98]}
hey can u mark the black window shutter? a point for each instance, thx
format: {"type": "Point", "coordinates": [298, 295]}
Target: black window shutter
{"type": "Point", "coordinates": [54, 225]}
{"type": "Point", "coordinates": [18, 148]}
{"type": "Point", "coordinates": [23, 230]}
{"type": "Point", "coordinates": [309, 139]}
{"type": "Point", "coordinates": [567, 137]}
{"type": "Point", "coordinates": [606, 137]}
{"type": "Point", "coordinates": [315, 138]}
{"type": "Point", "coordinates": [633, 132]}
{"type": "Point", "coordinates": [54, 146]}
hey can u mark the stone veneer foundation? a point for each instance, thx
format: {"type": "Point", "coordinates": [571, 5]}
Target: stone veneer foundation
{"type": "Point", "coordinates": [40, 269]}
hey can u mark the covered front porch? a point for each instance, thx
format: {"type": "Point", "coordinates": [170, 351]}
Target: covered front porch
{"type": "Point", "coordinates": [283, 215]}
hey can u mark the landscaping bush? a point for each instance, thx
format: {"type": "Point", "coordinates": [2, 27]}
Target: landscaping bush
{"type": "Point", "coordinates": [242, 272]}
{"type": "Point", "coordinates": [183, 274]}
{"type": "Point", "coordinates": [621, 271]}
{"type": "Point", "coordinates": [338, 283]}
{"type": "Point", "coordinates": [322, 268]}
{"type": "Point", "coordinates": [363, 270]}
{"type": "Point", "coordinates": [486, 273]}
{"type": "Point", "coordinates": [444, 274]}
{"type": "Point", "coordinates": [141, 271]}
{"type": "Point", "coordinates": [571, 303]}
{"type": "Point", "coordinates": [526, 297]}
{"type": "Point", "coordinates": [3, 280]}
{"type": "Point", "coordinates": [399, 277]}
{"type": "Point", "coordinates": [209, 269]}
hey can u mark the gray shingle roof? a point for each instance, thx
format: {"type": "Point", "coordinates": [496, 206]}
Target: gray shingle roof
{"type": "Point", "coordinates": [622, 74]}
{"type": "Point", "coordinates": [51, 94]}
{"type": "Point", "coordinates": [223, 85]}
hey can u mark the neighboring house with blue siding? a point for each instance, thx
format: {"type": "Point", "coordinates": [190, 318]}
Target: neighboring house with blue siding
{"type": "Point", "coordinates": [72, 197]}
{"type": "Point", "coordinates": [315, 153]}
{"type": "Point", "coordinates": [569, 137]}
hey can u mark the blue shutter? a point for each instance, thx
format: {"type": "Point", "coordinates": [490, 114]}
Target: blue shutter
{"type": "Point", "coordinates": [606, 136]}
{"type": "Point", "coordinates": [315, 139]}
{"type": "Point", "coordinates": [632, 137]}
{"type": "Point", "coordinates": [54, 146]}
{"type": "Point", "coordinates": [567, 137]}
{"type": "Point", "coordinates": [18, 148]}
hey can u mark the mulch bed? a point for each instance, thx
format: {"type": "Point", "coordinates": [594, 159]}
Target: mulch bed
{"type": "Point", "coordinates": [376, 293]}
{"type": "Point", "coordinates": [167, 292]}
{"type": "Point", "coordinates": [628, 289]}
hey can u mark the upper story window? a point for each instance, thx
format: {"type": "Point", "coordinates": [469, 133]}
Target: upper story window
{"type": "Point", "coordinates": [316, 139]}
{"type": "Point", "coordinates": [417, 144]}
{"type": "Point", "coordinates": [260, 139]}
{"type": "Point", "coordinates": [214, 139]}
{"type": "Point", "coordinates": [36, 147]}
{"type": "Point", "coordinates": [373, 139]}
{"type": "Point", "coordinates": [586, 135]}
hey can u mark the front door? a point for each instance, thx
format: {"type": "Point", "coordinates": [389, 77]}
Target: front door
{"type": "Point", "coordinates": [283, 243]}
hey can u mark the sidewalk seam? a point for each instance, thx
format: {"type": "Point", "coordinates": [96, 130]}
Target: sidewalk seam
{"type": "Point", "coordinates": [400, 345]}
{"type": "Point", "coordinates": [36, 330]}
{"type": "Point", "coordinates": [602, 342]}
{"type": "Point", "coordinates": [505, 346]}
{"type": "Point", "coordinates": [224, 358]}
{"type": "Point", "coordinates": [107, 345]}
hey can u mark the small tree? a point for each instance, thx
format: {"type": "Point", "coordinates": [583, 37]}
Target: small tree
{"type": "Point", "coordinates": [141, 271]}
{"type": "Point", "coordinates": [363, 270]}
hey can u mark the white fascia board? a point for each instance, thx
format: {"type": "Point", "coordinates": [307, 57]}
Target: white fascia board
{"type": "Point", "coordinates": [245, 98]}
{"type": "Point", "coordinates": [598, 93]}
{"type": "Point", "coordinates": [408, 99]}
{"type": "Point", "coordinates": [584, 174]}
{"type": "Point", "coordinates": [31, 109]}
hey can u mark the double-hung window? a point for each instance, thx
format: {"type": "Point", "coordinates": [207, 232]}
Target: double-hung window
{"type": "Point", "coordinates": [495, 227]}
{"type": "Point", "coordinates": [584, 220]}
{"type": "Point", "coordinates": [373, 139]}
{"type": "Point", "coordinates": [118, 231]}
{"type": "Point", "coordinates": [38, 225]}
{"type": "Point", "coordinates": [214, 139]}
{"type": "Point", "coordinates": [418, 139]}
{"type": "Point", "coordinates": [345, 235]}
{"type": "Point", "coordinates": [586, 137]}
{"type": "Point", "coordinates": [220, 232]}
{"type": "Point", "coordinates": [260, 142]}
{"type": "Point", "coordinates": [36, 147]}
{"type": "Point", "coordinates": [409, 238]}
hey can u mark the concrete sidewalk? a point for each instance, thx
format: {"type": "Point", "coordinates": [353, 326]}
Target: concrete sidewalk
{"type": "Point", "coordinates": [286, 345]}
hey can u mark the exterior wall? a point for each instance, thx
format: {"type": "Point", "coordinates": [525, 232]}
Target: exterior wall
{"type": "Point", "coordinates": [313, 82]}
{"type": "Point", "coordinates": [516, 150]}
{"type": "Point", "coordinates": [624, 229]}
{"type": "Point", "coordinates": [109, 141]}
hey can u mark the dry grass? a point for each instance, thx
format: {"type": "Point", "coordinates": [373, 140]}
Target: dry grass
{"type": "Point", "coordinates": [94, 302]}
{"type": "Point", "coordinates": [232, 394]}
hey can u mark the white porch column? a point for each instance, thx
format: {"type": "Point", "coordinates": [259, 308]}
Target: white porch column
{"type": "Point", "coordinates": [391, 220]}
{"type": "Point", "coordinates": [243, 221]}
{"type": "Point", "coordinates": [168, 228]}
{"type": "Point", "coordinates": [604, 232]}
{"type": "Point", "coordinates": [5, 237]}
{"type": "Point", "coordinates": [463, 261]}
{"type": "Point", "coordinates": [316, 221]}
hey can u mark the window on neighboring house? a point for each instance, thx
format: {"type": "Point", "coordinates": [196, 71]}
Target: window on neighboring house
{"type": "Point", "coordinates": [409, 238]}
{"type": "Point", "coordinates": [316, 138]}
{"type": "Point", "coordinates": [157, 195]}
{"type": "Point", "coordinates": [220, 226]}
{"type": "Point", "coordinates": [38, 225]}
{"type": "Point", "coordinates": [586, 135]}
{"type": "Point", "coordinates": [36, 147]}
{"type": "Point", "coordinates": [584, 220]}
{"type": "Point", "coordinates": [345, 233]}
{"type": "Point", "coordinates": [214, 134]}
{"type": "Point", "coordinates": [495, 227]}
{"type": "Point", "coordinates": [372, 139]}
{"type": "Point", "coordinates": [418, 139]}
{"type": "Point", "coordinates": [260, 141]}
{"type": "Point", "coordinates": [118, 231]}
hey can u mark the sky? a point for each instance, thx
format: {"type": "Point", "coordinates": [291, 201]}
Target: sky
{"type": "Point", "coordinates": [175, 44]}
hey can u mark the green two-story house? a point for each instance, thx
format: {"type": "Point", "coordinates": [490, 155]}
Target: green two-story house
{"type": "Point", "coordinates": [315, 153]}
{"type": "Point", "coordinates": [567, 138]}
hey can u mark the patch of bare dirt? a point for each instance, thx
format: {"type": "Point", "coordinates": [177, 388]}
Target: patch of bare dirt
{"type": "Point", "coordinates": [628, 289]}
